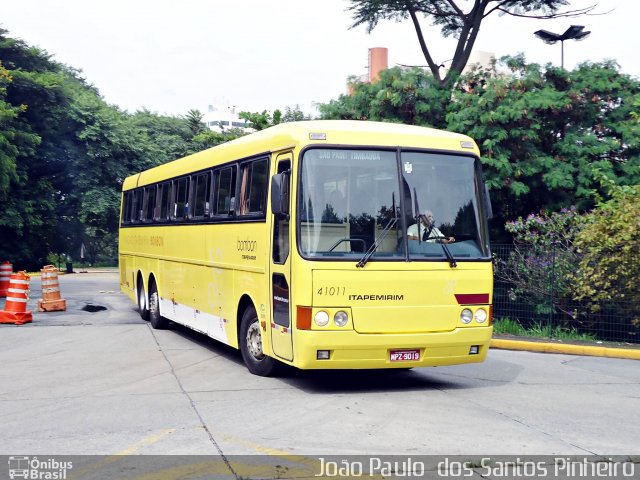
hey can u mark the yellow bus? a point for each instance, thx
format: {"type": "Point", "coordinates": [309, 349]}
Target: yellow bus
{"type": "Point", "coordinates": [318, 244]}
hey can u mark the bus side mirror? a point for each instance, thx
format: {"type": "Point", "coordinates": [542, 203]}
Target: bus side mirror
{"type": "Point", "coordinates": [280, 193]}
{"type": "Point", "coordinates": [487, 203]}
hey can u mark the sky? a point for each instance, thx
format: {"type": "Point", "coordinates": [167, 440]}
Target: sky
{"type": "Point", "coordinates": [170, 56]}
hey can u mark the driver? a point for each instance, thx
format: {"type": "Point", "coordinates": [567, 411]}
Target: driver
{"type": "Point", "coordinates": [426, 230]}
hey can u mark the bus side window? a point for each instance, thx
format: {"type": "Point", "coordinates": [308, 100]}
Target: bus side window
{"type": "Point", "coordinates": [181, 200]}
{"type": "Point", "coordinates": [244, 188]}
{"type": "Point", "coordinates": [165, 200]}
{"type": "Point", "coordinates": [253, 187]}
{"type": "Point", "coordinates": [126, 207]}
{"type": "Point", "coordinates": [202, 195]}
{"type": "Point", "coordinates": [137, 212]}
{"type": "Point", "coordinates": [225, 186]}
{"type": "Point", "coordinates": [149, 203]}
{"type": "Point", "coordinates": [258, 186]}
{"type": "Point", "coordinates": [131, 208]}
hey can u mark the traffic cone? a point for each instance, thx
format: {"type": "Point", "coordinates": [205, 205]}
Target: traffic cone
{"type": "Point", "coordinates": [6, 269]}
{"type": "Point", "coordinates": [15, 309]}
{"type": "Point", "coordinates": [51, 301]}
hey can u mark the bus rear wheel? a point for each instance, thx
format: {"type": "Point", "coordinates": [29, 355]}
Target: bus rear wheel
{"type": "Point", "coordinates": [157, 321]}
{"type": "Point", "coordinates": [142, 302]}
{"type": "Point", "coordinates": [251, 345]}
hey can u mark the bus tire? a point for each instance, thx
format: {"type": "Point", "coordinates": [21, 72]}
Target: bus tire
{"type": "Point", "coordinates": [157, 321]}
{"type": "Point", "coordinates": [251, 345]}
{"type": "Point", "coordinates": [142, 302]}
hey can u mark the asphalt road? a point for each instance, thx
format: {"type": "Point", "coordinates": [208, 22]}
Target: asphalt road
{"type": "Point", "coordinates": [106, 383]}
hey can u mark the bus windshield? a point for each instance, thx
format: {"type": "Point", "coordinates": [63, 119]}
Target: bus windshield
{"type": "Point", "coordinates": [394, 205]}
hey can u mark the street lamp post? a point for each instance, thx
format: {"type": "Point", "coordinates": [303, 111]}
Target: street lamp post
{"type": "Point", "coordinates": [574, 32]}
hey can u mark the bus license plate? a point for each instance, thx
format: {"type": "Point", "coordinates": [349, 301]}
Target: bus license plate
{"type": "Point", "coordinates": [404, 355]}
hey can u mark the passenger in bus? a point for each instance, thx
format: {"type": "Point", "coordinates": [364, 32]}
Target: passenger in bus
{"type": "Point", "coordinates": [426, 230]}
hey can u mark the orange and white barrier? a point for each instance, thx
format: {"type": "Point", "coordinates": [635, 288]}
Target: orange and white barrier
{"type": "Point", "coordinates": [6, 269]}
{"type": "Point", "coordinates": [15, 309]}
{"type": "Point", "coordinates": [51, 301]}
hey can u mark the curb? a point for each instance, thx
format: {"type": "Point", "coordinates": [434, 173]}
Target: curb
{"type": "Point", "coordinates": [568, 349]}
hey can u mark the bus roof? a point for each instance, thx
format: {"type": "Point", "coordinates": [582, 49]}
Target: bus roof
{"type": "Point", "coordinates": [292, 135]}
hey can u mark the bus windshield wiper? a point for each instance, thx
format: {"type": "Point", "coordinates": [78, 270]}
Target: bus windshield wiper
{"type": "Point", "coordinates": [372, 249]}
{"type": "Point", "coordinates": [390, 224]}
{"type": "Point", "coordinates": [447, 253]}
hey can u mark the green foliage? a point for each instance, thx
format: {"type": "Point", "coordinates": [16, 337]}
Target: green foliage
{"type": "Point", "coordinates": [8, 151]}
{"type": "Point", "coordinates": [580, 269]}
{"type": "Point", "coordinates": [162, 138]}
{"type": "Point", "coordinates": [401, 96]}
{"type": "Point", "coordinates": [542, 132]}
{"type": "Point", "coordinates": [260, 121]}
{"type": "Point", "coordinates": [541, 263]}
{"type": "Point", "coordinates": [15, 138]}
{"type": "Point", "coordinates": [610, 246]}
{"type": "Point", "coordinates": [265, 119]}
{"type": "Point", "coordinates": [38, 92]}
{"type": "Point", "coordinates": [547, 230]}
{"type": "Point", "coordinates": [211, 138]}
{"type": "Point", "coordinates": [294, 114]}
{"type": "Point", "coordinates": [194, 121]}
{"type": "Point", "coordinates": [635, 115]}
{"type": "Point", "coordinates": [508, 326]}
{"type": "Point", "coordinates": [63, 155]}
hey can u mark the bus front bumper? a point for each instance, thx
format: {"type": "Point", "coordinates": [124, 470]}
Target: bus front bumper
{"type": "Point", "coordinates": [352, 350]}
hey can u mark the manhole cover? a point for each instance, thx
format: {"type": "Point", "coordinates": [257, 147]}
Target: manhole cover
{"type": "Point", "coordinates": [93, 308]}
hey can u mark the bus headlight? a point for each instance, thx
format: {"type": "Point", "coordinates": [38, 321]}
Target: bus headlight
{"type": "Point", "coordinates": [340, 318]}
{"type": "Point", "coordinates": [321, 318]}
{"type": "Point", "coordinates": [466, 316]}
{"type": "Point", "coordinates": [481, 315]}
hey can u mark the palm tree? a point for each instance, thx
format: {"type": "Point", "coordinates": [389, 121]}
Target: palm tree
{"type": "Point", "coordinates": [194, 121]}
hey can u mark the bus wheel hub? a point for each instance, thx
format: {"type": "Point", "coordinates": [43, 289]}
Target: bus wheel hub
{"type": "Point", "coordinates": [254, 341]}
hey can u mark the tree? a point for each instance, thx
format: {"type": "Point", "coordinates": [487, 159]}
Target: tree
{"type": "Point", "coordinates": [260, 121]}
{"type": "Point", "coordinates": [454, 21]}
{"type": "Point", "coordinates": [110, 150]}
{"type": "Point", "coordinates": [34, 127]}
{"type": "Point", "coordinates": [194, 121]}
{"type": "Point", "coordinates": [400, 95]}
{"type": "Point", "coordinates": [15, 140]}
{"type": "Point", "coordinates": [63, 155]}
{"type": "Point", "coordinates": [211, 138]}
{"type": "Point", "coordinates": [163, 138]}
{"type": "Point", "coordinates": [294, 114]}
{"type": "Point", "coordinates": [543, 131]}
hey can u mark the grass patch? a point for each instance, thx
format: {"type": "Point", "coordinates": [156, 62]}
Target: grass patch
{"type": "Point", "coordinates": [507, 326]}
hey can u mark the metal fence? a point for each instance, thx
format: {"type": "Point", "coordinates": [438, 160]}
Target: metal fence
{"type": "Point", "coordinates": [536, 287]}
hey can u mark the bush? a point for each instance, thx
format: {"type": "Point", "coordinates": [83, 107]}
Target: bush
{"type": "Point", "coordinates": [542, 260]}
{"type": "Point", "coordinates": [609, 244]}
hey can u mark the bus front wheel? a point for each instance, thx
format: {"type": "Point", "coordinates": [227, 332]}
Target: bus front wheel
{"type": "Point", "coordinates": [251, 345]}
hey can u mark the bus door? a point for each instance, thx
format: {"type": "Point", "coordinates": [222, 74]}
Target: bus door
{"type": "Point", "coordinates": [280, 265]}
